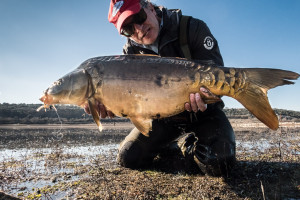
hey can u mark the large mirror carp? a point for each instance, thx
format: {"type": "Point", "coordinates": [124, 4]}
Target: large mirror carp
{"type": "Point", "coordinates": [144, 87]}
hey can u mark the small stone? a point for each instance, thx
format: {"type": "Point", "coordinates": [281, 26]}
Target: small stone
{"type": "Point", "coordinates": [54, 179]}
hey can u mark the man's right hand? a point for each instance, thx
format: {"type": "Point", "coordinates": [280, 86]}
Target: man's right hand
{"type": "Point", "coordinates": [100, 109]}
{"type": "Point", "coordinates": [196, 102]}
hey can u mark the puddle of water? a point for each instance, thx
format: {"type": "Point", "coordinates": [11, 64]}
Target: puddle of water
{"type": "Point", "coordinates": [262, 145]}
{"type": "Point", "coordinates": [35, 169]}
{"type": "Point", "coordinates": [25, 153]}
{"type": "Point", "coordinates": [91, 150]}
{"type": "Point", "coordinates": [259, 145]}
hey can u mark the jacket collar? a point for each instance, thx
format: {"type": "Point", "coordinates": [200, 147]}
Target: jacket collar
{"type": "Point", "coordinates": [169, 31]}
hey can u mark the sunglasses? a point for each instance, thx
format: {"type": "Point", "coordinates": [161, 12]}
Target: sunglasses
{"type": "Point", "coordinates": [139, 18]}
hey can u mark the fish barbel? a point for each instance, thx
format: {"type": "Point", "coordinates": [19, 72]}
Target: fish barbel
{"type": "Point", "coordinates": [146, 87]}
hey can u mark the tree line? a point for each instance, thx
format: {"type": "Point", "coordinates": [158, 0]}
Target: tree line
{"type": "Point", "coordinates": [27, 114]}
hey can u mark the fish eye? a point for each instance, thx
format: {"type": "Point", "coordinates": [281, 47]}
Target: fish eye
{"type": "Point", "coordinates": [58, 82]}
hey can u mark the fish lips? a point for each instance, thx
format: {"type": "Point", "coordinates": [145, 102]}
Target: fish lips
{"type": "Point", "coordinates": [57, 91]}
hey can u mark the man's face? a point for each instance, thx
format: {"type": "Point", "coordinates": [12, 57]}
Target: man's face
{"type": "Point", "coordinates": [147, 32]}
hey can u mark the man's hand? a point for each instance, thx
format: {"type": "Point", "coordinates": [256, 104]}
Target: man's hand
{"type": "Point", "coordinates": [196, 102]}
{"type": "Point", "coordinates": [100, 109]}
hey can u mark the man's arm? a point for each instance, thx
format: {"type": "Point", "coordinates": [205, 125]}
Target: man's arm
{"type": "Point", "coordinates": [202, 43]}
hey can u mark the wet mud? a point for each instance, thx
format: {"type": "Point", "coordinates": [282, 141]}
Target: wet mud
{"type": "Point", "coordinates": [54, 162]}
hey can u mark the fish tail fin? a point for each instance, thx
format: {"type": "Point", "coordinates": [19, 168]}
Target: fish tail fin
{"type": "Point", "coordinates": [254, 95]}
{"type": "Point", "coordinates": [94, 112]}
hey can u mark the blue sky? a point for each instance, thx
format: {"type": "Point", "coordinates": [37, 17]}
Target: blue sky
{"type": "Point", "coordinates": [41, 40]}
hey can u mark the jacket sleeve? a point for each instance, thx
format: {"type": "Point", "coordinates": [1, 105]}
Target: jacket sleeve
{"type": "Point", "coordinates": [203, 45]}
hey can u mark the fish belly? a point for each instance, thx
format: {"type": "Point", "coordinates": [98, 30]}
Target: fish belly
{"type": "Point", "coordinates": [161, 91]}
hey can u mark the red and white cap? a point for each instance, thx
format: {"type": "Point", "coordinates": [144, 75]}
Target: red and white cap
{"type": "Point", "coordinates": [120, 10]}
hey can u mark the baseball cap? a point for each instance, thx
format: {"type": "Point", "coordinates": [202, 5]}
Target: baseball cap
{"type": "Point", "coordinates": [120, 10]}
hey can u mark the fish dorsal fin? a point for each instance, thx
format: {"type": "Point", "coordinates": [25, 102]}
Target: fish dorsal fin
{"type": "Point", "coordinates": [94, 112]}
{"type": "Point", "coordinates": [144, 125]}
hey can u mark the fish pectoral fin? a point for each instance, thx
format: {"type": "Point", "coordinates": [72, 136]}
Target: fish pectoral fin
{"type": "Point", "coordinates": [143, 124]}
{"type": "Point", "coordinates": [94, 113]}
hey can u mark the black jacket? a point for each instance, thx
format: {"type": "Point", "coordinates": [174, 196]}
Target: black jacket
{"type": "Point", "coordinates": [202, 44]}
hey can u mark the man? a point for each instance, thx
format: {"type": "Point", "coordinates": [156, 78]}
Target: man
{"type": "Point", "coordinates": [206, 137]}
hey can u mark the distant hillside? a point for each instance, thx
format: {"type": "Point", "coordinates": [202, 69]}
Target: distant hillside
{"type": "Point", "coordinates": [27, 114]}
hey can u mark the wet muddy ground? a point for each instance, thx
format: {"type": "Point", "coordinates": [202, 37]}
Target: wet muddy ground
{"type": "Point", "coordinates": [77, 162]}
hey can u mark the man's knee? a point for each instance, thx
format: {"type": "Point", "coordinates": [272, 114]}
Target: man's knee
{"type": "Point", "coordinates": [138, 151]}
{"type": "Point", "coordinates": [130, 154]}
{"type": "Point", "coordinates": [135, 151]}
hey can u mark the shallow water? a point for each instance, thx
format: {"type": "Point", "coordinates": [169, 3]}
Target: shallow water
{"type": "Point", "coordinates": [28, 153]}
{"type": "Point", "coordinates": [39, 167]}
{"type": "Point", "coordinates": [260, 145]}
{"type": "Point", "coordinates": [31, 154]}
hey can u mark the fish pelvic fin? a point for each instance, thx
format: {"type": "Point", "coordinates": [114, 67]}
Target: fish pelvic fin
{"type": "Point", "coordinates": [144, 125]}
{"type": "Point", "coordinates": [254, 95]}
{"type": "Point", "coordinates": [94, 112]}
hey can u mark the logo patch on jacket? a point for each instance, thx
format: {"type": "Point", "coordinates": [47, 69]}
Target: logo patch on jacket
{"type": "Point", "coordinates": [208, 43]}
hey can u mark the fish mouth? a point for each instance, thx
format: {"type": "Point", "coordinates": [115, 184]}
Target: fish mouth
{"type": "Point", "coordinates": [46, 98]}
